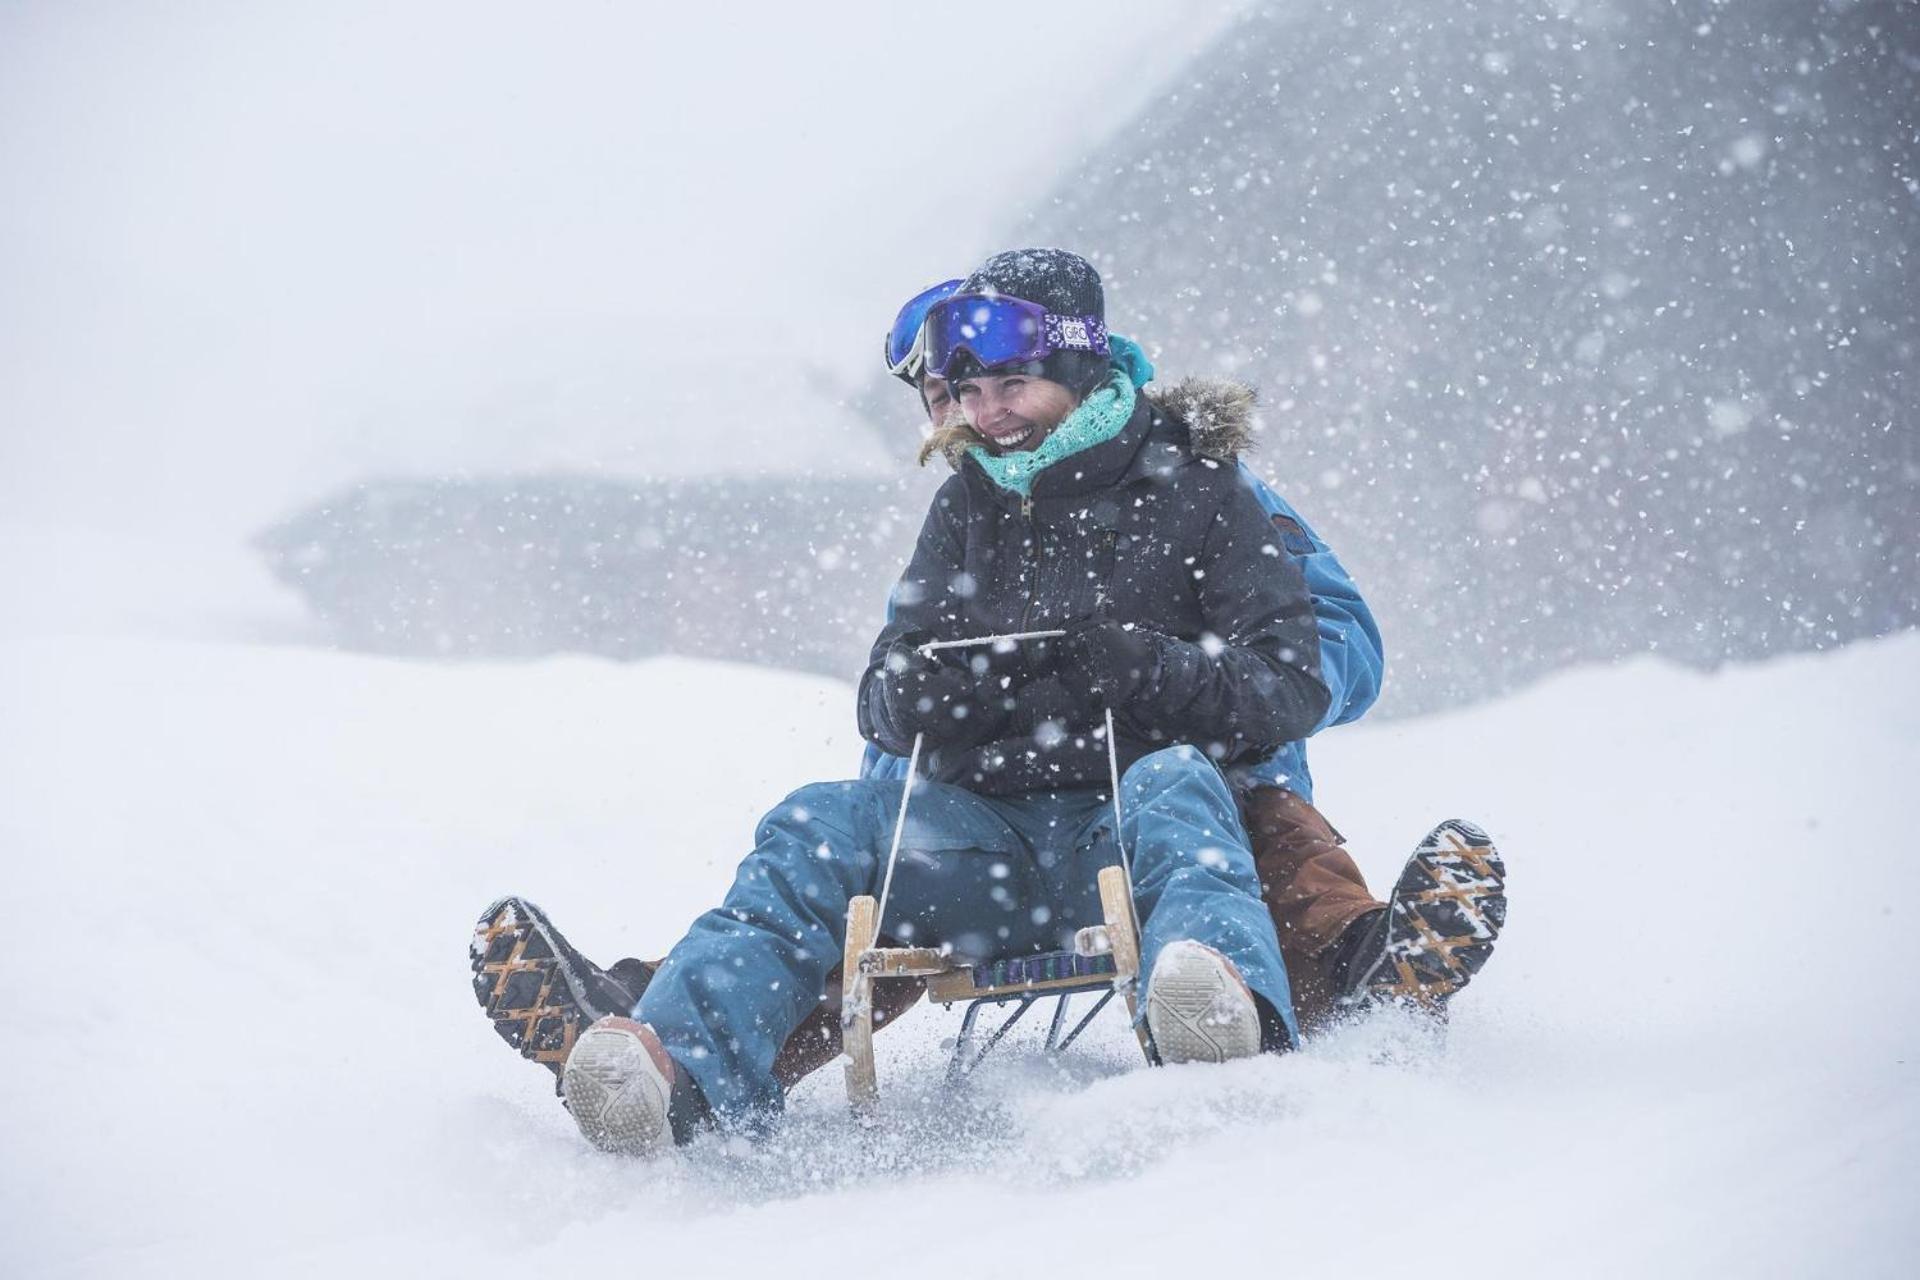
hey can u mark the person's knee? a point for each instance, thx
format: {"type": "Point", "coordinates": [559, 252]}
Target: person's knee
{"type": "Point", "coordinates": [1204, 867]}
{"type": "Point", "coordinates": [1174, 769]}
{"type": "Point", "coordinates": [821, 839]}
{"type": "Point", "coordinates": [1179, 761]}
{"type": "Point", "coordinates": [836, 811]}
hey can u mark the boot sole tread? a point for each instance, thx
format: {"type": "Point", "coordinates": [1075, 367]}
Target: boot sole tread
{"type": "Point", "coordinates": [522, 984]}
{"type": "Point", "coordinates": [1445, 915]}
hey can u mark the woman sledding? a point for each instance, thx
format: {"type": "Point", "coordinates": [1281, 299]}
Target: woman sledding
{"type": "Point", "coordinates": [1087, 510]}
{"type": "Point", "coordinates": [1092, 515]}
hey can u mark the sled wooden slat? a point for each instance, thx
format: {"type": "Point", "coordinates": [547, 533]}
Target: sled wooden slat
{"type": "Point", "coordinates": [856, 1003]}
{"type": "Point", "coordinates": [903, 962]}
{"type": "Point", "coordinates": [1116, 903]}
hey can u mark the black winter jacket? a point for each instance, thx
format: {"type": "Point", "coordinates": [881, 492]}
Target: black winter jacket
{"type": "Point", "coordinates": [1141, 529]}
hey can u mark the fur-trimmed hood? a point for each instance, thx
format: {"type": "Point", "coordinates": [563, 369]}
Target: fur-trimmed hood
{"type": "Point", "coordinates": [1219, 415]}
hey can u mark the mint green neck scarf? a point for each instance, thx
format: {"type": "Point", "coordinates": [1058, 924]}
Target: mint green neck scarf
{"type": "Point", "coordinates": [1095, 420]}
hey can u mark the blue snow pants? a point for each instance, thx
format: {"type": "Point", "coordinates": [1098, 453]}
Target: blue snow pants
{"type": "Point", "coordinates": [990, 876]}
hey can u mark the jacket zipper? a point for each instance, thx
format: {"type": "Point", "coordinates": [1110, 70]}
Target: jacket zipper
{"type": "Point", "coordinates": [1033, 560]}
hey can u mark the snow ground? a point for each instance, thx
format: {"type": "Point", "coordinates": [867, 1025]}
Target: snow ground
{"type": "Point", "coordinates": [242, 1041]}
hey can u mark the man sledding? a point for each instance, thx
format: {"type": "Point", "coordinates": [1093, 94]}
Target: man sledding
{"type": "Point", "coordinates": [1087, 511]}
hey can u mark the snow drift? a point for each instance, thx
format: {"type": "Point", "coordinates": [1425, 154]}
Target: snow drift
{"type": "Point", "coordinates": [241, 880]}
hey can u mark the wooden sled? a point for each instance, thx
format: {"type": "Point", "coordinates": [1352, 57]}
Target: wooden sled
{"type": "Point", "coordinates": [1105, 959]}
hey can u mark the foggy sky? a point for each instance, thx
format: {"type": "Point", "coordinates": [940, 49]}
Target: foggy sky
{"type": "Point", "coordinates": [250, 252]}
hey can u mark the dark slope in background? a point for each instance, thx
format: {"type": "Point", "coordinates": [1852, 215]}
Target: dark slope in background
{"type": "Point", "coordinates": [1582, 330]}
{"type": "Point", "coordinates": [780, 570]}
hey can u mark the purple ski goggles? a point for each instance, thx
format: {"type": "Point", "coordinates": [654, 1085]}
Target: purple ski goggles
{"type": "Point", "coordinates": [906, 352]}
{"type": "Point", "coordinates": [996, 329]}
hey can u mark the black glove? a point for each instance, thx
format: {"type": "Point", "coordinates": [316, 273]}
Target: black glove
{"type": "Point", "coordinates": [997, 674]}
{"type": "Point", "coordinates": [924, 695]}
{"type": "Point", "coordinates": [1054, 707]}
{"type": "Point", "coordinates": [1110, 663]}
{"type": "Point", "coordinates": [1022, 683]}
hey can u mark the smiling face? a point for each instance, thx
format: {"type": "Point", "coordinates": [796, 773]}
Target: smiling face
{"type": "Point", "coordinates": [1014, 411]}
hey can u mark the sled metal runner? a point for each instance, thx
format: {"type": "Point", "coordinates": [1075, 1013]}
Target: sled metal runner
{"type": "Point", "coordinates": [1099, 971]}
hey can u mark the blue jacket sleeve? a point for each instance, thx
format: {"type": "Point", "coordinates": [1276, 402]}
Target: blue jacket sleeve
{"type": "Point", "coordinates": [879, 766]}
{"type": "Point", "coordinates": [1352, 662]}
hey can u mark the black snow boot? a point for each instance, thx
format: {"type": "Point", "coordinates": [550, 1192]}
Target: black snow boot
{"type": "Point", "coordinates": [1436, 931]}
{"type": "Point", "coordinates": [539, 992]}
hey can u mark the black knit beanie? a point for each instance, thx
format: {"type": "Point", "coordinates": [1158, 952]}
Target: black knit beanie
{"type": "Point", "coordinates": [1065, 284]}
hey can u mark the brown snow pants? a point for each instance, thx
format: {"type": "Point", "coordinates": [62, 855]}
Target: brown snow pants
{"type": "Point", "coordinates": [1312, 887]}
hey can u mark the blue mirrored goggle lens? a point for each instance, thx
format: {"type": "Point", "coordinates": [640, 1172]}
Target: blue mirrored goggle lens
{"type": "Point", "coordinates": [994, 330]}
{"type": "Point", "coordinates": [905, 334]}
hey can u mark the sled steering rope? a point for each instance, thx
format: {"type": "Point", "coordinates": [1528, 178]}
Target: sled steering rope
{"type": "Point", "coordinates": [1105, 958]}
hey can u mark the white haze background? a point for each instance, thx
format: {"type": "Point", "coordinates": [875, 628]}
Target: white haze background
{"type": "Point", "coordinates": [250, 252]}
